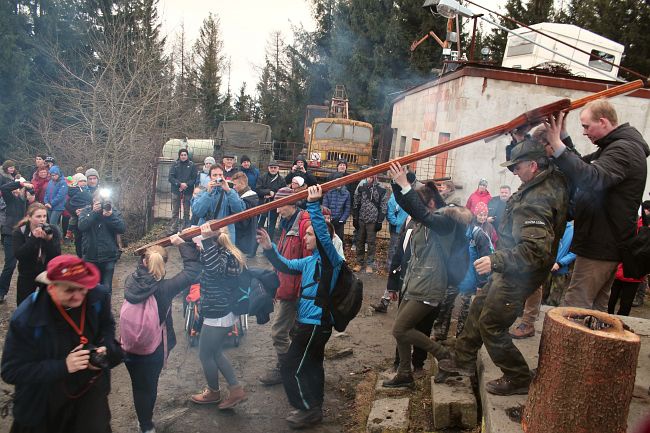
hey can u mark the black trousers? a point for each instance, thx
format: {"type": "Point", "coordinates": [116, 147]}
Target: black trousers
{"type": "Point", "coordinates": [625, 291]}
{"type": "Point", "coordinates": [145, 371]}
{"type": "Point", "coordinates": [302, 370]}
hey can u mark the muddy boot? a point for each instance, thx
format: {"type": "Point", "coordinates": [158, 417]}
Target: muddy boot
{"type": "Point", "coordinates": [235, 396]}
{"type": "Point", "coordinates": [523, 331]}
{"type": "Point", "coordinates": [505, 386]}
{"type": "Point", "coordinates": [452, 366]}
{"type": "Point", "coordinates": [272, 376]}
{"type": "Point", "coordinates": [381, 306]}
{"type": "Point", "coordinates": [305, 418]}
{"type": "Point", "coordinates": [208, 396]}
{"type": "Point", "coordinates": [442, 376]}
{"type": "Point", "coordinates": [400, 380]}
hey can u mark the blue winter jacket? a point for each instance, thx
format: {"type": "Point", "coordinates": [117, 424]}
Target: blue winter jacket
{"type": "Point", "coordinates": [564, 256]}
{"type": "Point", "coordinates": [338, 202]}
{"type": "Point", "coordinates": [308, 312]}
{"type": "Point", "coordinates": [204, 206]}
{"type": "Point", "coordinates": [252, 174]}
{"type": "Point", "coordinates": [56, 192]}
{"type": "Point", "coordinates": [396, 215]}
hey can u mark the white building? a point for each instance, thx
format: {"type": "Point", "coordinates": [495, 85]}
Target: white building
{"type": "Point", "coordinates": [474, 98]}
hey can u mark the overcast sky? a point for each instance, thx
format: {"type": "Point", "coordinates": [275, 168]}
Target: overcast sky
{"type": "Point", "coordinates": [245, 26]}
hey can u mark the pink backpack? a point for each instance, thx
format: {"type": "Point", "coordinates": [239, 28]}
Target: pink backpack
{"type": "Point", "coordinates": [140, 329]}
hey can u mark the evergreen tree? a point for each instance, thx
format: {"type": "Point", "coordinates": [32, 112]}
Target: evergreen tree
{"type": "Point", "coordinates": [207, 72]}
{"type": "Point", "coordinates": [243, 104]}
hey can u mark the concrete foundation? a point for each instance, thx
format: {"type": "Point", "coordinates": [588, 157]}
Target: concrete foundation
{"type": "Point", "coordinates": [389, 415]}
{"type": "Point", "coordinates": [453, 403]}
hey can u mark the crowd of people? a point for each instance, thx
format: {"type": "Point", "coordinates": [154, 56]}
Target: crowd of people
{"type": "Point", "coordinates": [557, 239]}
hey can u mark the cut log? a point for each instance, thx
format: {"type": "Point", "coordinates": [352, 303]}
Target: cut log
{"type": "Point", "coordinates": [585, 377]}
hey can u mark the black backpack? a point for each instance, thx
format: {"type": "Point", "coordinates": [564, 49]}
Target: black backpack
{"type": "Point", "coordinates": [345, 299]}
{"type": "Point", "coordinates": [635, 254]}
{"type": "Point", "coordinates": [457, 259]}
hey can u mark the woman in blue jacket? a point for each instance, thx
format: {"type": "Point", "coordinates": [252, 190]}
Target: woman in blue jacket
{"type": "Point", "coordinates": [55, 195]}
{"type": "Point", "coordinates": [302, 370]}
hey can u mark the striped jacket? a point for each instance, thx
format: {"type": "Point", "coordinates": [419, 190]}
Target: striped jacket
{"type": "Point", "coordinates": [220, 276]}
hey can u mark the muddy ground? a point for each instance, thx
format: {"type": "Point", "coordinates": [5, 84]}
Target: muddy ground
{"type": "Point", "coordinates": [266, 408]}
{"type": "Point", "coordinates": [349, 380]}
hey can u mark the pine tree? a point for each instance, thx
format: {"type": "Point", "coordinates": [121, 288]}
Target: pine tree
{"type": "Point", "coordinates": [207, 71]}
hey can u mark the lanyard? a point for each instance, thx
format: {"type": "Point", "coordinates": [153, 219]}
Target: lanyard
{"type": "Point", "coordinates": [78, 329]}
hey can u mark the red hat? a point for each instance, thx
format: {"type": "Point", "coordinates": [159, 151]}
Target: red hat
{"type": "Point", "coordinates": [72, 270]}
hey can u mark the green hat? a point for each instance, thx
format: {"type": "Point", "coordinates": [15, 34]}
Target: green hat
{"type": "Point", "coordinates": [527, 150]}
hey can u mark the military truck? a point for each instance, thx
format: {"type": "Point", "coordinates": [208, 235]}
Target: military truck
{"type": "Point", "coordinates": [244, 138]}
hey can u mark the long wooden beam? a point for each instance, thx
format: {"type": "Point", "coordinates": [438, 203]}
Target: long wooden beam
{"type": "Point", "coordinates": [532, 117]}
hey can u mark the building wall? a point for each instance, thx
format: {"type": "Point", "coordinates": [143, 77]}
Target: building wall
{"type": "Point", "coordinates": [469, 104]}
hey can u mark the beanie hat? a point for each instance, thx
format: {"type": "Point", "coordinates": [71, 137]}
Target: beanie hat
{"type": "Point", "coordinates": [479, 207]}
{"type": "Point", "coordinates": [92, 172]}
{"type": "Point", "coordinates": [209, 159]}
{"type": "Point", "coordinates": [77, 177]}
{"type": "Point", "coordinates": [483, 182]}
{"type": "Point", "coordinates": [8, 163]}
{"type": "Point", "coordinates": [244, 158]}
{"type": "Point", "coordinates": [299, 180]}
{"type": "Point", "coordinates": [282, 193]}
{"type": "Point", "coordinates": [50, 159]}
{"type": "Point", "coordinates": [55, 170]}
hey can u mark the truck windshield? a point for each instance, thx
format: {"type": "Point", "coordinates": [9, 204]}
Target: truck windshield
{"type": "Point", "coordinates": [337, 131]}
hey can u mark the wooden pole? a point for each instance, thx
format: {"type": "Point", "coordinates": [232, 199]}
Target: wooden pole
{"type": "Point", "coordinates": [585, 377]}
{"type": "Point", "coordinates": [532, 117]}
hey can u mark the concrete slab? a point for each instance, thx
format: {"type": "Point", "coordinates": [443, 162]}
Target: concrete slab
{"type": "Point", "coordinates": [494, 407]}
{"type": "Point", "coordinates": [389, 415]}
{"type": "Point", "coordinates": [453, 403]}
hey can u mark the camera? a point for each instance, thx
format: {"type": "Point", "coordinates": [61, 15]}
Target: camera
{"type": "Point", "coordinates": [97, 359]}
{"type": "Point", "coordinates": [47, 228]}
{"type": "Point", "coordinates": [105, 195]}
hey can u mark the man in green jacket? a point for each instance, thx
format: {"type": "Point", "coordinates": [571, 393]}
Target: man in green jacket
{"type": "Point", "coordinates": [529, 235]}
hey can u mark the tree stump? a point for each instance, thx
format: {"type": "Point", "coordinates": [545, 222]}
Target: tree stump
{"type": "Point", "coordinates": [585, 377]}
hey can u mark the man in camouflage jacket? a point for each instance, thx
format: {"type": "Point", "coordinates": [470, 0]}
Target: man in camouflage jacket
{"type": "Point", "coordinates": [368, 212]}
{"type": "Point", "coordinates": [529, 234]}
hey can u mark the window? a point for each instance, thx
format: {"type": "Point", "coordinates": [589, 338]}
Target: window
{"type": "Point", "coordinates": [359, 134]}
{"type": "Point", "coordinates": [402, 145]}
{"type": "Point", "coordinates": [327, 130]}
{"type": "Point", "coordinates": [519, 46]}
{"type": "Point", "coordinates": [596, 60]}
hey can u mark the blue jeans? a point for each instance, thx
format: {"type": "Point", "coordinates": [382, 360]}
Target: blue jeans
{"type": "Point", "coordinates": [145, 371]}
{"type": "Point", "coordinates": [106, 270]}
{"type": "Point", "coordinates": [10, 264]}
{"type": "Point", "coordinates": [54, 218]}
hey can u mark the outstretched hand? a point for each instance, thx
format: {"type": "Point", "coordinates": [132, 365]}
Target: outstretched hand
{"type": "Point", "coordinates": [555, 124]}
{"type": "Point", "coordinates": [263, 239]}
{"type": "Point", "coordinates": [398, 174]}
{"type": "Point", "coordinates": [314, 193]}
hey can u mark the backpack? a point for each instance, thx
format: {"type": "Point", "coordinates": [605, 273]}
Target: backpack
{"type": "Point", "coordinates": [345, 298]}
{"type": "Point", "coordinates": [472, 279]}
{"type": "Point", "coordinates": [140, 329]}
{"type": "Point", "coordinates": [240, 295]}
{"type": "Point", "coordinates": [457, 260]}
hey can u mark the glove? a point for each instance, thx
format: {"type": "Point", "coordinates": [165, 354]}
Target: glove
{"type": "Point", "coordinates": [378, 227]}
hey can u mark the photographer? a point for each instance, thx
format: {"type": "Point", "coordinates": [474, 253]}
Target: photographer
{"type": "Point", "coordinates": [299, 168]}
{"type": "Point", "coordinates": [35, 243]}
{"type": "Point", "coordinates": [100, 224]}
{"type": "Point", "coordinates": [14, 198]}
{"type": "Point", "coordinates": [218, 201]}
{"type": "Point", "coordinates": [58, 351]}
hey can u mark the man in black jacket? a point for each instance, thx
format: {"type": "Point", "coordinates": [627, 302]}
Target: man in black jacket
{"type": "Point", "coordinates": [182, 176]}
{"type": "Point", "coordinates": [267, 185]}
{"type": "Point", "coordinates": [610, 184]}
{"type": "Point", "coordinates": [299, 168]}
{"type": "Point", "coordinates": [13, 195]}
{"type": "Point", "coordinates": [60, 386]}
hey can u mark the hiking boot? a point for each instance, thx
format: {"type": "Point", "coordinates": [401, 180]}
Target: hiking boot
{"type": "Point", "coordinates": [305, 418]}
{"type": "Point", "coordinates": [208, 396]}
{"type": "Point", "coordinates": [357, 268]}
{"type": "Point", "coordinates": [271, 377]}
{"type": "Point", "coordinates": [369, 270]}
{"type": "Point", "coordinates": [505, 386]}
{"type": "Point", "coordinates": [400, 380]}
{"type": "Point", "coordinates": [235, 396]}
{"type": "Point", "coordinates": [523, 331]}
{"type": "Point", "coordinates": [419, 373]}
{"type": "Point", "coordinates": [450, 365]}
{"type": "Point", "coordinates": [442, 376]}
{"type": "Point", "coordinates": [381, 306]}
